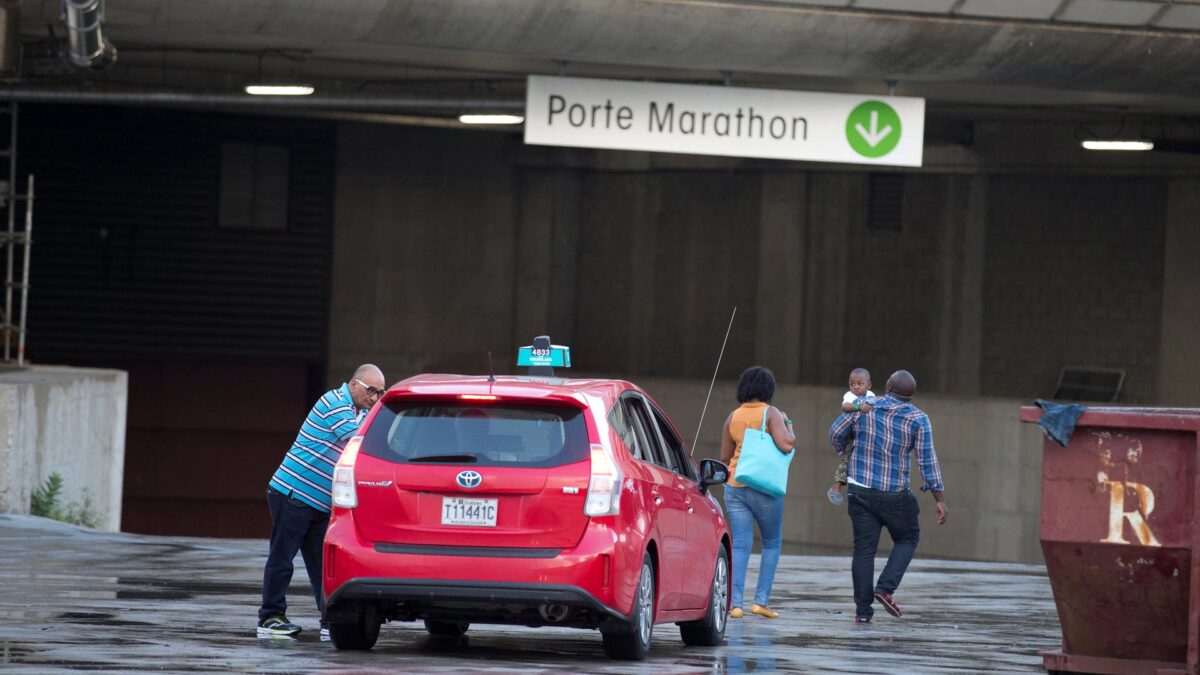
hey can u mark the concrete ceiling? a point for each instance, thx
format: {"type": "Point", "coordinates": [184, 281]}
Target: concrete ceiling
{"type": "Point", "coordinates": [1065, 56]}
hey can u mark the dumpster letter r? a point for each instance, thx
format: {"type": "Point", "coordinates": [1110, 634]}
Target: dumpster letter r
{"type": "Point", "coordinates": [1117, 515]}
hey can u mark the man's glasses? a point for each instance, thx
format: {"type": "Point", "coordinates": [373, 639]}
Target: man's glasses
{"type": "Point", "coordinates": [370, 390]}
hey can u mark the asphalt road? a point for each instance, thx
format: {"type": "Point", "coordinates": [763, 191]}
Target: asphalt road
{"type": "Point", "coordinates": [72, 598]}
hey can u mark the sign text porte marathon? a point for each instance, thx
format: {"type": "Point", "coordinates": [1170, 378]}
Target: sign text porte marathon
{"type": "Point", "coordinates": [731, 121]}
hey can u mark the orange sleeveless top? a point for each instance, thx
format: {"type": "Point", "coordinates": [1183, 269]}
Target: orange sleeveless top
{"type": "Point", "coordinates": [746, 416]}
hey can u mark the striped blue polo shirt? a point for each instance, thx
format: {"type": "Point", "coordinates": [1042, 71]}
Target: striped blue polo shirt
{"type": "Point", "coordinates": [307, 471]}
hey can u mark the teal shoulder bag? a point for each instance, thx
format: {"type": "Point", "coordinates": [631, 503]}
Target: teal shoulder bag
{"type": "Point", "coordinates": [761, 465]}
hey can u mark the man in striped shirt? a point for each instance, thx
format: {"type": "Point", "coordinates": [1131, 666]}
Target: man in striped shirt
{"type": "Point", "coordinates": [884, 435]}
{"type": "Point", "coordinates": [299, 494]}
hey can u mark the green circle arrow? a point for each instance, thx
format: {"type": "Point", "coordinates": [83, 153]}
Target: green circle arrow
{"type": "Point", "coordinates": [873, 129]}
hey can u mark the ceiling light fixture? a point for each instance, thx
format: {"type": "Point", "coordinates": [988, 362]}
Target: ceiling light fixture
{"type": "Point", "coordinates": [491, 119]}
{"type": "Point", "coordinates": [1127, 146]}
{"type": "Point", "coordinates": [279, 89]}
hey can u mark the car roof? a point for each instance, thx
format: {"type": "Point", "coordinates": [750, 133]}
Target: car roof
{"type": "Point", "coordinates": [520, 386]}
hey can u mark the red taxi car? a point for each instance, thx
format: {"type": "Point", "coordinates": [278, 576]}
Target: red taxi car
{"type": "Point", "coordinates": [529, 501]}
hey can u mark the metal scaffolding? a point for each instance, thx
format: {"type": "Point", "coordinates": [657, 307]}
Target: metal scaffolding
{"type": "Point", "coordinates": [16, 244]}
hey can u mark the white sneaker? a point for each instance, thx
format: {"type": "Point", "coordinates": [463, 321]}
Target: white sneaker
{"type": "Point", "coordinates": [324, 635]}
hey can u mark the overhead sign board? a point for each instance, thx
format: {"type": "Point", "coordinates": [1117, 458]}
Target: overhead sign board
{"type": "Point", "coordinates": [729, 121]}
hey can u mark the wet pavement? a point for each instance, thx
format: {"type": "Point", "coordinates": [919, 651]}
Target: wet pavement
{"type": "Point", "coordinates": [72, 599]}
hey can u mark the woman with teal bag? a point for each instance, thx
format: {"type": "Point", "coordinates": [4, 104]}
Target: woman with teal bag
{"type": "Point", "coordinates": [745, 505]}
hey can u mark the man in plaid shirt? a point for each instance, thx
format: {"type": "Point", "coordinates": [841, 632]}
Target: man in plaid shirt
{"type": "Point", "coordinates": [884, 431]}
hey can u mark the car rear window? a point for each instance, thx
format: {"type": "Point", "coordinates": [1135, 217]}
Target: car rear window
{"type": "Point", "coordinates": [491, 435]}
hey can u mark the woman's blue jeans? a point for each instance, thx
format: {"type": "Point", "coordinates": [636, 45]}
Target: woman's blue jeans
{"type": "Point", "coordinates": [745, 507]}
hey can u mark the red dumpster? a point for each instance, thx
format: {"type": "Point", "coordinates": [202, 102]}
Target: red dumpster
{"type": "Point", "coordinates": [1120, 530]}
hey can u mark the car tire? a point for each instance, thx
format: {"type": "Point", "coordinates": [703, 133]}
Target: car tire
{"type": "Point", "coordinates": [446, 628]}
{"type": "Point", "coordinates": [710, 631]}
{"type": "Point", "coordinates": [632, 641]}
{"type": "Point", "coordinates": [357, 635]}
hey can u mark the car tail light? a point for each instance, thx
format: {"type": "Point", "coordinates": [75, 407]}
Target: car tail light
{"type": "Point", "coordinates": [345, 494]}
{"type": "Point", "coordinates": [604, 487]}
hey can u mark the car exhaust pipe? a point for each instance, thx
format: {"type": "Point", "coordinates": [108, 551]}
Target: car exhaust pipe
{"type": "Point", "coordinates": [554, 613]}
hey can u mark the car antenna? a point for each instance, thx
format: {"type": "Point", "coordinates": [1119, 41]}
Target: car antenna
{"type": "Point", "coordinates": [714, 380]}
{"type": "Point", "coordinates": [491, 371]}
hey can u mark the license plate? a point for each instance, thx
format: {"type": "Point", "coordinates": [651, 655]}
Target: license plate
{"type": "Point", "coordinates": [471, 512]}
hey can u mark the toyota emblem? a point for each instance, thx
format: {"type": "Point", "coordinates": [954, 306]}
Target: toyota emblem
{"type": "Point", "coordinates": [468, 479]}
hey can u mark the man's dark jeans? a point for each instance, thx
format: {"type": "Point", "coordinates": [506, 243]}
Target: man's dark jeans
{"type": "Point", "coordinates": [295, 526]}
{"type": "Point", "coordinates": [870, 511]}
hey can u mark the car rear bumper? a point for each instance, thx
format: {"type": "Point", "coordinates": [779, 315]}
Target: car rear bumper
{"type": "Point", "coordinates": [433, 599]}
{"type": "Point", "coordinates": [482, 584]}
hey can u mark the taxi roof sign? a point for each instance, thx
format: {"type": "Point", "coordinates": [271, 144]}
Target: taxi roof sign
{"type": "Point", "coordinates": [542, 357]}
{"type": "Point", "coordinates": [551, 356]}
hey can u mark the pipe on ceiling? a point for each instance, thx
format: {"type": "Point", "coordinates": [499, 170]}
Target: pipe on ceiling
{"type": "Point", "coordinates": [86, 45]}
{"type": "Point", "coordinates": [25, 94]}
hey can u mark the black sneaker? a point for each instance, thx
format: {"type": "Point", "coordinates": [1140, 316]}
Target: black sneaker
{"type": "Point", "coordinates": [277, 626]}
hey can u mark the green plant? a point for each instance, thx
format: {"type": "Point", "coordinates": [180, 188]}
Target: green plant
{"type": "Point", "coordinates": [46, 502]}
{"type": "Point", "coordinates": [45, 498]}
{"type": "Point", "coordinates": [83, 514]}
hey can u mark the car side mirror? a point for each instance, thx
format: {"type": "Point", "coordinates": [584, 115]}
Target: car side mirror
{"type": "Point", "coordinates": [712, 472]}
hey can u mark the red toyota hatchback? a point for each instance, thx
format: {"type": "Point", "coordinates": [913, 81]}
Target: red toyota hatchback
{"type": "Point", "coordinates": [528, 501]}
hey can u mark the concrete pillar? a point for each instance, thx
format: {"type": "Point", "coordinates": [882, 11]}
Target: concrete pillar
{"type": "Point", "coordinates": [782, 245]}
{"type": "Point", "coordinates": [960, 251]}
{"type": "Point", "coordinates": [546, 256]}
{"type": "Point", "coordinates": [837, 203]}
{"type": "Point", "coordinates": [1179, 353]}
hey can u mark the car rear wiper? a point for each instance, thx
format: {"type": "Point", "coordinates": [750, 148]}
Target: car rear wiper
{"type": "Point", "coordinates": [470, 459]}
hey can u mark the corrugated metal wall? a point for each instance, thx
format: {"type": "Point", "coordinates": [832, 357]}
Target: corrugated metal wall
{"type": "Point", "coordinates": [129, 260]}
{"type": "Point", "coordinates": [223, 330]}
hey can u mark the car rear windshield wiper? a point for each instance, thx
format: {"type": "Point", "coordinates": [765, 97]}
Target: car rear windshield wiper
{"type": "Point", "coordinates": [470, 459]}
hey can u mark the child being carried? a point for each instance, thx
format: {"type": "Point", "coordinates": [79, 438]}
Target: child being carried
{"type": "Point", "coordinates": [860, 388]}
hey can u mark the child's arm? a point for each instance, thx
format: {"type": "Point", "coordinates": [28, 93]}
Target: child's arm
{"type": "Point", "coordinates": [855, 406]}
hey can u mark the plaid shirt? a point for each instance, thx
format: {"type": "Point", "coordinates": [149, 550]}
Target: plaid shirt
{"type": "Point", "coordinates": [882, 438]}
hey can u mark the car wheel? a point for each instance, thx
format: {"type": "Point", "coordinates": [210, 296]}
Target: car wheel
{"type": "Point", "coordinates": [446, 628]}
{"type": "Point", "coordinates": [710, 631]}
{"type": "Point", "coordinates": [632, 641]}
{"type": "Point", "coordinates": [358, 635]}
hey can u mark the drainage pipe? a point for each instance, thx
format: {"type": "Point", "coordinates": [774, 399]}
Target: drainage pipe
{"type": "Point", "coordinates": [86, 45]}
{"type": "Point", "coordinates": [10, 36]}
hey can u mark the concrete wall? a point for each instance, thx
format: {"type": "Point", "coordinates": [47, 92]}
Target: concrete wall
{"type": "Point", "coordinates": [991, 466]}
{"type": "Point", "coordinates": [65, 420]}
{"type": "Point", "coordinates": [1006, 266]}
{"type": "Point", "coordinates": [1073, 276]}
{"type": "Point", "coordinates": [425, 240]}
{"type": "Point", "coordinates": [1179, 355]}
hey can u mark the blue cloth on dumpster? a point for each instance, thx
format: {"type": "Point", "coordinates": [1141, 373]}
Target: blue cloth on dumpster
{"type": "Point", "coordinates": [1058, 420]}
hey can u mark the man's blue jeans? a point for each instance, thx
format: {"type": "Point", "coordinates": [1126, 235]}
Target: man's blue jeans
{"type": "Point", "coordinates": [747, 506]}
{"type": "Point", "coordinates": [295, 526]}
{"type": "Point", "coordinates": [870, 511]}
